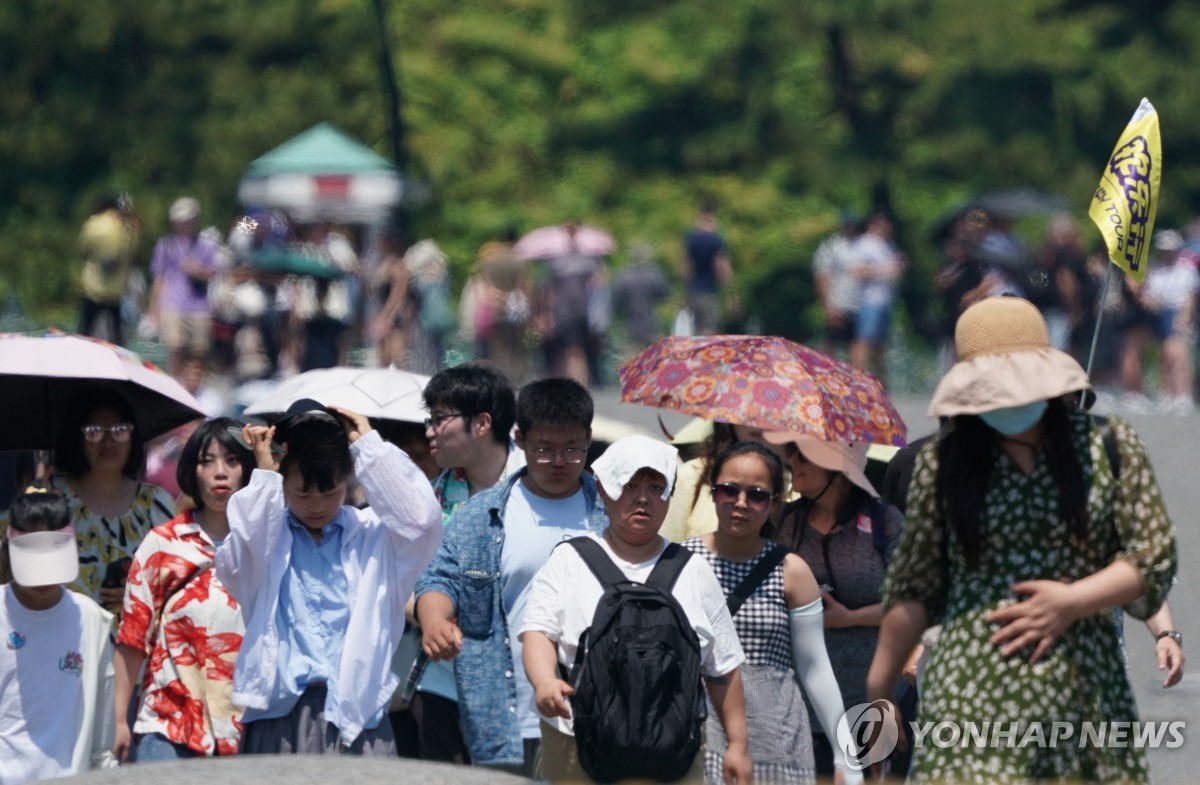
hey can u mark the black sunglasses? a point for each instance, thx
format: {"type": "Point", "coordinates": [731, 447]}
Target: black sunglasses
{"type": "Point", "coordinates": [728, 493]}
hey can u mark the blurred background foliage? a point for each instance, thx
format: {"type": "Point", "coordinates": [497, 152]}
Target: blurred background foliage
{"type": "Point", "coordinates": [622, 114]}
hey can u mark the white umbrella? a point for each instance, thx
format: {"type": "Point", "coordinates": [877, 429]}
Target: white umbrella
{"type": "Point", "coordinates": [377, 393]}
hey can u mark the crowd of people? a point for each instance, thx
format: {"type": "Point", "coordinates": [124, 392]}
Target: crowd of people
{"type": "Point", "coordinates": [857, 274]}
{"type": "Point", "coordinates": [273, 297]}
{"type": "Point", "coordinates": [489, 596]}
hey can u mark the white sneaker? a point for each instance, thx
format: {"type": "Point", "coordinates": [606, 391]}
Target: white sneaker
{"type": "Point", "coordinates": [1178, 405]}
{"type": "Point", "coordinates": [1136, 403]}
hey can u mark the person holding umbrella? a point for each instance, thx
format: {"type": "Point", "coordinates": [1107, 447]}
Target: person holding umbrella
{"type": "Point", "coordinates": [847, 537]}
{"type": "Point", "coordinates": [99, 456]}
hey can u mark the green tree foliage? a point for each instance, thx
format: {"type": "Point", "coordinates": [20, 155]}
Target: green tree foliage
{"type": "Point", "coordinates": [622, 114]}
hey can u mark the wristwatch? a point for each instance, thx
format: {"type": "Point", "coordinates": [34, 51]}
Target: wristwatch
{"type": "Point", "coordinates": [1177, 636]}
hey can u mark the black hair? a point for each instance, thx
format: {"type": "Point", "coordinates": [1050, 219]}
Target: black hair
{"type": "Point", "coordinates": [69, 457]}
{"type": "Point", "coordinates": [554, 403]}
{"type": "Point", "coordinates": [965, 459]}
{"type": "Point", "coordinates": [317, 447]}
{"type": "Point", "coordinates": [105, 203]}
{"type": "Point", "coordinates": [723, 436]}
{"type": "Point", "coordinates": [475, 390]}
{"type": "Point", "coordinates": [761, 451]}
{"type": "Point", "coordinates": [214, 430]}
{"type": "Point", "coordinates": [38, 511]}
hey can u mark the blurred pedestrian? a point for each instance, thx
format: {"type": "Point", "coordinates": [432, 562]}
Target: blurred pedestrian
{"type": "Point", "coordinates": [708, 274]}
{"type": "Point", "coordinates": [562, 313]}
{"type": "Point", "coordinates": [1169, 294]}
{"type": "Point", "coordinates": [494, 310]}
{"type": "Point", "coordinates": [879, 267]}
{"type": "Point", "coordinates": [637, 290]}
{"type": "Point", "coordinates": [838, 287]}
{"type": "Point", "coordinates": [183, 263]}
{"type": "Point", "coordinates": [1054, 283]}
{"type": "Point", "coordinates": [107, 241]}
{"type": "Point", "coordinates": [1019, 541]}
{"type": "Point", "coordinates": [396, 310]}
{"type": "Point", "coordinates": [429, 290]}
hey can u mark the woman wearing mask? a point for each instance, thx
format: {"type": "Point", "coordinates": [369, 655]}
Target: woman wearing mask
{"type": "Point", "coordinates": [1020, 541]}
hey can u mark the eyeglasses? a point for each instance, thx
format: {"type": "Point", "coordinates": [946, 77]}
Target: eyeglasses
{"type": "Point", "coordinates": [121, 432]}
{"type": "Point", "coordinates": [435, 421]}
{"type": "Point", "coordinates": [727, 494]}
{"type": "Point", "coordinates": [569, 455]}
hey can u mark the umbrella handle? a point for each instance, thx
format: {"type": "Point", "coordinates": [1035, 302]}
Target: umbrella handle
{"type": "Point", "coordinates": [662, 426]}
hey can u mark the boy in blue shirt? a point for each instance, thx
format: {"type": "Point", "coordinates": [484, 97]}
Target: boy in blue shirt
{"type": "Point", "coordinates": [322, 585]}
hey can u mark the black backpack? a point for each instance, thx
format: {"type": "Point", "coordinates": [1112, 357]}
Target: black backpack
{"type": "Point", "coordinates": [638, 705]}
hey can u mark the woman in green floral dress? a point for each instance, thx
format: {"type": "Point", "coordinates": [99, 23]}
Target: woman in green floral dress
{"type": "Point", "coordinates": [1020, 541]}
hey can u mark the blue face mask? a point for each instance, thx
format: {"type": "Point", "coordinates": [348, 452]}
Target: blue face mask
{"type": "Point", "coordinates": [1015, 419]}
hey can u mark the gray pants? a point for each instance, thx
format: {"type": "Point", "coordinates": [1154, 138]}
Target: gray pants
{"type": "Point", "coordinates": [304, 731]}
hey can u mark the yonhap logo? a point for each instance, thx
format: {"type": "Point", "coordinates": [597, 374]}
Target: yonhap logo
{"type": "Point", "coordinates": [867, 733]}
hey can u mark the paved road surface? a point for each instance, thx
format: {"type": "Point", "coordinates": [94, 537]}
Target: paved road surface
{"type": "Point", "coordinates": [1174, 445]}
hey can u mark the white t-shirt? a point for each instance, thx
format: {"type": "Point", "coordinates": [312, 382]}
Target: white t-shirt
{"type": "Point", "coordinates": [1171, 287]}
{"type": "Point", "coordinates": [563, 598]}
{"type": "Point", "coordinates": [532, 527]}
{"type": "Point", "coordinates": [55, 688]}
{"type": "Point", "coordinates": [875, 252]}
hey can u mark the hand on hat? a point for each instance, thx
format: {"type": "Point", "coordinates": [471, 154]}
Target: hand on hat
{"type": "Point", "coordinates": [355, 424]}
{"type": "Point", "coordinates": [260, 438]}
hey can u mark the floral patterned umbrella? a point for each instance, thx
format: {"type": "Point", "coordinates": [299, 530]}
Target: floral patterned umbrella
{"type": "Point", "coordinates": [766, 382]}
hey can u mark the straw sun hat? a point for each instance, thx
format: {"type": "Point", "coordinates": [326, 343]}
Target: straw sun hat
{"type": "Point", "coordinates": [1004, 360]}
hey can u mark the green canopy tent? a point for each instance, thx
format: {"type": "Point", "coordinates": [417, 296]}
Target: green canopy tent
{"type": "Point", "coordinates": [323, 174]}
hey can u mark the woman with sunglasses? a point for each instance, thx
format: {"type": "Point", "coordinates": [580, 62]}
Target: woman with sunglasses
{"type": "Point", "coordinates": [846, 536]}
{"type": "Point", "coordinates": [99, 456]}
{"type": "Point", "coordinates": [776, 606]}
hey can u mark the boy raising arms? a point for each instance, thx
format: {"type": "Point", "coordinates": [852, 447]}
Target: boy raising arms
{"type": "Point", "coordinates": [322, 585]}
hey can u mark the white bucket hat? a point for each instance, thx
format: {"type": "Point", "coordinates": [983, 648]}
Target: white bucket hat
{"type": "Point", "coordinates": [630, 454]}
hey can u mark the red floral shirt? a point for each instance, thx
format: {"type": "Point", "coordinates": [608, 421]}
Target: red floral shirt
{"type": "Point", "coordinates": [187, 691]}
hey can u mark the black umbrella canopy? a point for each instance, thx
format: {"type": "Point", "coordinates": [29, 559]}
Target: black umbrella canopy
{"type": "Point", "coordinates": [36, 407]}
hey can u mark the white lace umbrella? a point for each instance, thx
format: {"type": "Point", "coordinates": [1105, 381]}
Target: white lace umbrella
{"type": "Point", "coordinates": [377, 393]}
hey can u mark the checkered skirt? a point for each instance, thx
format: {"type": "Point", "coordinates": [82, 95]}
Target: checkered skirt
{"type": "Point", "coordinates": [780, 743]}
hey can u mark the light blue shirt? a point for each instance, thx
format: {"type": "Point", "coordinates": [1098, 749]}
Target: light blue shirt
{"type": "Point", "coordinates": [313, 613]}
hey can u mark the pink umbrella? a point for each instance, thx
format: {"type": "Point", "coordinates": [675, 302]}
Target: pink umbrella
{"type": "Point", "coordinates": [552, 241]}
{"type": "Point", "coordinates": [41, 375]}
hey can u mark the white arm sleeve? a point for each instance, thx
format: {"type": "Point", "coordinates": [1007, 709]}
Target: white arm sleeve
{"type": "Point", "coordinates": [811, 661]}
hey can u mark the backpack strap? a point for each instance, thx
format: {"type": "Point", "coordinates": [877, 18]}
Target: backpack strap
{"type": "Point", "coordinates": [1109, 437]}
{"type": "Point", "coordinates": [597, 560]}
{"type": "Point", "coordinates": [879, 529]}
{"type": "Point", "coordinates": [674, 558]}
{"type": "Point", "coordinates": [751, 582]}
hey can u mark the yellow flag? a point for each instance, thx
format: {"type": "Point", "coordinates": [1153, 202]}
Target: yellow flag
{"type": "Point", "coordinates": [1127, 197]}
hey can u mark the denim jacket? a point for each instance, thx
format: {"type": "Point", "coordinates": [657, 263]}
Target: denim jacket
{"type": "Point", "coordinates": [467, 570]}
